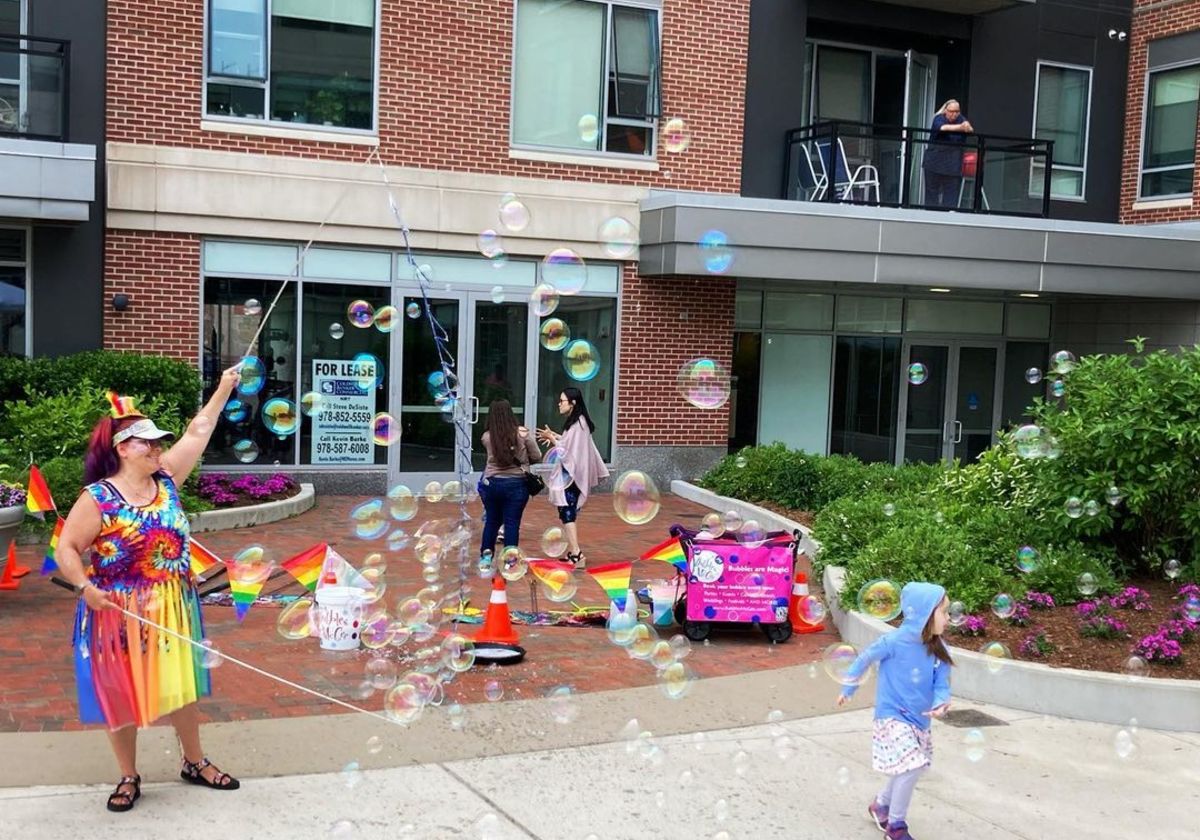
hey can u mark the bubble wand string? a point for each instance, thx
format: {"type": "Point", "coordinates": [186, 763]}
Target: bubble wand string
{"type": "Point", "coordinates": [208, 652]}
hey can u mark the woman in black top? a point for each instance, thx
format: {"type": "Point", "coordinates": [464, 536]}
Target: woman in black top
{"type": "Point", "coordinates": [943, 162]}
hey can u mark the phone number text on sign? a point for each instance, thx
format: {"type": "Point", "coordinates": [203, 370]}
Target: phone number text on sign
{"type": "Point", "coordinates": [341, 429]}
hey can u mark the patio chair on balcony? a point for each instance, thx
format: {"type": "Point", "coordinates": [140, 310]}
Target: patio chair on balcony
{"type": "Point", "coordinates": [864, 178]}
{"type": "Point", "coordinates": [810, 184]}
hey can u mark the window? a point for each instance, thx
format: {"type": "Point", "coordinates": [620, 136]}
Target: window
{"type": "Point", "coordinates": [594, 317]}
{"type": "Point", "coordinates": [14, 296]}
{"type": "Point", "coordinates": [586, 76]}
{"type": "Point", "coordinates": [866, 393]}
{"type": "Point", "coordinates": [298, 61]}
{"type": "Point", "coordinates": [1061, 109]}
{"type": "Point", "coordinates": [1169, 144]}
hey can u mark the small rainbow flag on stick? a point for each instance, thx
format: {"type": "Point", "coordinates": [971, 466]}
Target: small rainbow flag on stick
{"type": "Point", "coordinates": [554, 573]}
{"type": "Point", "coordinates": [670, 551]}
{"type": "Point", "coordinates": [48, 564]}
{"type": "Point", "coordinates": [37, 496]}
{"type": "Point", "coordinates": [203, 560]}
{"type": "Point", "coordinates": [305, 567]}
{"type": "Point", "coordinates": [614, 579]}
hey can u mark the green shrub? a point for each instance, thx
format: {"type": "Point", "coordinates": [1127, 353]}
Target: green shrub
{"type": "Point", "coordinates": [845, 527]}
{"type": "Point", "coordinates": [769, 474]}
{"type": "Point", "coordinates": [1060, 566]}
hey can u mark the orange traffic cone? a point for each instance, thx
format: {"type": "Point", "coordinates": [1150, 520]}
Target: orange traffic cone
{"type": "Point", "coordinates": [8, 579]}
{"type": "Point", "coordinates": [800, 591]}
{"type": "Point", "coordinates": [497, 626]}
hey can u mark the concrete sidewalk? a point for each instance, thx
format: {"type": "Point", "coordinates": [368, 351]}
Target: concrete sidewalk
{"type": "Point", "coordinates": [1035, 777]}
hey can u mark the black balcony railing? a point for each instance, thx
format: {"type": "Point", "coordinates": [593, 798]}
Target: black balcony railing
{"type": "Point", "coordinates": [34, 87]}
{"type": "Point", "coordinates": [896, 166]}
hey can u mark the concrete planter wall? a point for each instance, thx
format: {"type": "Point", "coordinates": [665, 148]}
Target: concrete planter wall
{"type": "Point", "coordinates": [10, 523]}
{"type": "Point", "coordinates": [245, 517]}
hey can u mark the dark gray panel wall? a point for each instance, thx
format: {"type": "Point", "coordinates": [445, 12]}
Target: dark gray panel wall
{"type": "Point", "coordinates": [68, 261]}
{"type": "Point", "coordinates": [1005, 49]}
{"type": "Point", "coordinates": [774, 74]}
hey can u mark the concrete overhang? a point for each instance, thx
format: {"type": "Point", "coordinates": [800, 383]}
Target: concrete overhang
{"type": "Point", "coordinates": [843, 244]}
{"type": "Point", "coordinates": [46, 181]}
{"type": "Point", "coordinates": [959, 7]}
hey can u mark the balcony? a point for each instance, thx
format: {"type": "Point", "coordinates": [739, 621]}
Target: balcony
{"type": "Point", "coordinates": [42, 176]}
{"type": "Point", "coordinates": [907, 167]}
{"type": "Point", "coordinates": [959, 7]}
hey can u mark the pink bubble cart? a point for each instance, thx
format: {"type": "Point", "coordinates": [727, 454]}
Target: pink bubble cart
{"type": "Point", "coordinates": [732, 581]}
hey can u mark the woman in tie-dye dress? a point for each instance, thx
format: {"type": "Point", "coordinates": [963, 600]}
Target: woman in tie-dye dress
{"type": "Point", "coordinates": [124, 546]}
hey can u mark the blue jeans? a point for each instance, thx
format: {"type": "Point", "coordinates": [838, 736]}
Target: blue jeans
{"type": "Point", "coordinates": [504, 499]}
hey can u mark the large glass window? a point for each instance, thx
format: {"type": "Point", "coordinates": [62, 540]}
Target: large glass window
{"type": "Point", "coordinates": [318, 70]}
{"type": "Point", "coordinates": [1061, 114]}
{"type": "Point", "coordinates": [1169, 145]}
{"type": "Point", "coordinates": [14, 292]}
{"type": "Point", "coordinates": [586, 76]}
{"type": "Point", "coordinates": [1020, 356]}
{"type": "Point", "coordinates": [595, 319]}
{"type": "Point", "coordinates": [865, 398]}
{"type": "Point", "coordinates": [743, 393]}
{"type": "Point", "coordinates": [228, 331]}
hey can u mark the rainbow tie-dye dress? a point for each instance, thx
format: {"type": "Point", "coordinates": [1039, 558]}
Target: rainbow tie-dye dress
{"type": "Point", "coordinates": [129, 673]}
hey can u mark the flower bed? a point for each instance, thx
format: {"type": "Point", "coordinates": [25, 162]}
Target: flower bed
{"type": "Point", "coordinates": [1148, 630]}
{"type": "Point", "coordinates": [230, 491]}
{"type": "Point", "coordinates": [11, 495]}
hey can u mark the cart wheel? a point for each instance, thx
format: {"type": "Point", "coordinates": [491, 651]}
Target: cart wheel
{"type": "Point", "coordinates": [778, 632]}
{"type": "Point", "coordinates": [681, 611]}
{"type": "Point", "coordinates": [697, 631]}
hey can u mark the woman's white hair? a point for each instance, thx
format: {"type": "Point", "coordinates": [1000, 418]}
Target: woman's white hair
{"type": "Point", "coordinates": [942, 111]}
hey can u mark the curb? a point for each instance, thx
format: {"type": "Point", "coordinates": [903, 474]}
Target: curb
{"type": "Point", "coordinates": [769, 519]}
{"type": "Point", "coordinates": [1095, 696]}
{"type": "Point", "coordinates": [246, 517]}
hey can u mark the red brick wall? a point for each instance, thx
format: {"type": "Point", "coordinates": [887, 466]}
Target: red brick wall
{"type": "Point", "coordinates": [1152, 19]}
{"type": "Point", "coordinates": [445, 68]}
{"type": "Point", "coordinates": [161, 274]}
{"type": "Point", "coordinates": [665, 321]}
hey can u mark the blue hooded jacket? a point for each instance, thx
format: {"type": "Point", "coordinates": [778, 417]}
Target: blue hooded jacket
{"type": "Point", "coordinates": [911, 680]}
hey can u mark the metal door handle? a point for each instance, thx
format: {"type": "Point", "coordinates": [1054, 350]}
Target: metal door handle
{"type": "Point", "coordinates": [474, 410]}
{"type": "Point", "coordinates": [957, 432]}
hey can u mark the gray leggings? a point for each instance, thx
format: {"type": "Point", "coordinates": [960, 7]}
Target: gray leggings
{"type": "Point", "coordinates": [897, 792]}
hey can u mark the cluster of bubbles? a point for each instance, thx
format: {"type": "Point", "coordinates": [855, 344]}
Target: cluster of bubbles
{"type": "Point", "coordinates": [749, 532]}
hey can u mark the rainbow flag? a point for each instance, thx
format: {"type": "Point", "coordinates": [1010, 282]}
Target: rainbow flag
{"type": "Point", "coordinates": [245, 591]}
{"type": "Point", "coordinates": [37, 496]}
{"type": "Point", "coordinates": [343, 572]}
{"type": "Point", "coordinates": [554, 573]}
{"type": "Point", "coordinates": [48, 564]}
{"type": "Point", "coordinates": [203, 560]}
{"type": "Point", "coordinates": [669, 551]}
{"type": "Point", "coordinates": [614, 579]}
{"type": "Point", "coordinates": [305, 567]}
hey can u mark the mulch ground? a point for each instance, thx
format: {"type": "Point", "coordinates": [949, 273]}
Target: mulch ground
{"type": "Point", "coordinates": [1061, 625]}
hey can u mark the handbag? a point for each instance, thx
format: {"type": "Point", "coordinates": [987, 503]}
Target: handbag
{"type": "Point", "coordinates": [534, 483]}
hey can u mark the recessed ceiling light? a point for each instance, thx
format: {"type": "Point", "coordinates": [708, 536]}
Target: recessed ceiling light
{"type": "Point", "coordinates": [1029, 294]}
{"type": "Point", "coordinates": [941, 291]}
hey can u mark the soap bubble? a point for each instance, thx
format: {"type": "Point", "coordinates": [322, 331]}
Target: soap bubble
{"type": "Point", "coordinates": [1027, 440]}
{"type": "Point", "coordinates": [589, 128]}
{"type": "Point", "coordinates": [497, 294]}
{"type": "Point", "coordinates": [403, 703]}
{"type": "Point", "coordinates": [493, 690]}
{"type": "Point", "coordinates": [1050, 448]}
{"type": "Point", "coordinates": [997, 654]}
{"type": "Point", "coordinates": [381, 672]}
{"type": "Point", "coordinates": [385, 429]}
{"type": "Point", "coordinates": [837, 659]}
{"type": "Point", "coordinates": [253, 376]}
{"type": "Point", "coordinates": [1027, 558]}
{"type": "Point", "coordinates": [676, 680]}
{"type": "Point", "coordinates": [1172, 568]}
{"type": "Point", "coordinates": [1003, 605]}
{"type": "Point", "coordinates": [620, 628]}
{"type": "Point", "coordinates": [704, 383]}
{"type": "Point", "coordinates": [280, 416]}
{"type": "Point", "coordinates": [514, 215]}
{"type": "Point", "coordinates": [236, 411]}
{"type": "Point", "coordinates": [1086, 584]}
{"type": "Point", "coordinates": [741, 461]}
{"type": "Point", "coordinates": [554, 541]}
{"type": "Point", "coordinates": [1124, 744]}
{"type": "Point", "coordinates": [295, 620]}
{"type": "Point", "coordinates": [741, 762]}
{"type": "Point", "coordinates": [1091, 507]}
{"type": "Point", "coordinates": [565, 592]}
{"type": "Point", "coordinates": [619, 238]}
{"type": "Point", "coordinates": [976, 745]}
{"type": "Point", "coordinates": [402, 502]}
{"type": "Point", "coordinates": [413, 310]}
{"type": "Point", "coordinates": [336, 331]}
{"type": "Point", "coordinates": [643, 641]}
{"type": "Point", "coordinates": [246, 451]}
{"type": "Point", "coordinates": [1135, 666]}
{"type": "Point", "coordinates": [489, 243]}
{"type": "Point", "coordinates": [581, 360]}
{"type": "Point", "coordinates": [543, 300]}
{"type": "Point", "coordinates": [374, 745]}
{"type": "Point", "coordinates": [376, 630]}
{"type": "Point", "coordinates": [499, 259]}
{"type": "Point", "coordinates": [555, 334]}
{"type": "Point", "coordinates": [360, 314]}
{"type": "Point", "coordinates": [811, 610]}
{"type": "Point", "coordinates": [712, 524]}
{"type": "Point", "coordinates": [370, 523]}
{"type": "Point", "coordinates": [211, 656]}
{"type": "Point", "coordinates": [513, 565]}
{"type": "Point", "coordinates": [752, 534]}
{"type": "Point", "coordinates": [732, 520]}
{"type": "Point", "coordinates": [879, 599]}
{"type": "Point", "coordinates": [1073, 507]}
{"type": "Point", "coordinates": [1033, 376]}
{"type": "Point", "coordinates": [662, 654]}
{"type": "Point", "coordinates": [562, 704]}
{"type": "Point", "coordinates": [385, 319]}
{"type": "Point", "coordinates": [636, 499]}
{"type": "Point", "coordinates": [565, 270]}
{"type": "Point", "coordinates": [1063, 362]}
{"type": "Point", "coordinates": [1191, 608]}
{"type": "Point", "coordinates": [252, 307]}
{"type": "Point", "coordinates": [312, 403]}
{"type": "Point", "coordinates": [715, 253]}
{"type": "Point", "coordinates": [1058, 388]}
{"type": "Point", "coordinates": [917, 373]}
{"type": "Point", "coordinates": [681, 645]}
{"type": "Point", "coordinates": [458, 653]}
{"type": "Point", "coordinates": [889, 509]}
{"type": "Point", "coordinates": [1114, 496]}
{"type": "Point", "coordinates": [957, 613]}
{"type": "Point", "coordinates": [675, 135]}
{"type": "Point", "coordinates": [434, 491]}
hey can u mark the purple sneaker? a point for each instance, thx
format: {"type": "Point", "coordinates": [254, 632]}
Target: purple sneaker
{"type": "Point", "coordinates": [878, 814]}
{"type": "Point", "coordinates": [898, 831]}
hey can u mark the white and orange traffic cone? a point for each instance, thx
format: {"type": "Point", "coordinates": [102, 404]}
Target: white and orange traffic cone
{"type": "Point", "coordinates": [497, 624]}
{"type": "Point", "coordinates": [8, 579]}
{"type": "Point", "coordinates": [799, 593]}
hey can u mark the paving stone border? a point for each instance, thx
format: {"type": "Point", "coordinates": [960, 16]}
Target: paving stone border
{"type": "Point", "coordinates": [1064, 692]}
{"type": "Point", "coordinates": [250, 515]}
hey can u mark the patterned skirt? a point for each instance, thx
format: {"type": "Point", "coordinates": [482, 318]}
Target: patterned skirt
{"type": "Point", "coordinates": [129, 673]}
{"type": "Point", "coordinates": [898, 746]}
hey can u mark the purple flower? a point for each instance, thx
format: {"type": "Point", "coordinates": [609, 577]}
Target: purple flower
{"type": "Point", "coordinates": [1131, 597]}
{"type": "Point", "coordinates": [1178, 629]}
{"type": "Point", "coordinates": [1103, 627]}
{"type": "Point", "coordinates": [1157, 647]}
{"type": "Point", "coordinates": [1020, 615]}
{"type": "Point", "coordinates": [11, 495]}
{"type": "Point", "coordinates": [973, 625]}
{"type": "Point", "coordinates": [1188, 590]}
{"type": "Point", "coordinates": [1088, 609]}
{"type": "Point", "coordinates": [1039, 600]}
{"type": "Point", "coordinates": [1037, 644]}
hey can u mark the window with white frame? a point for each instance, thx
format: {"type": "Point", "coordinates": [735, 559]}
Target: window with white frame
{"type": "Point", "coordinates": [14, 291]}
{"type": "Point", "coordinates": [310, 62]}
{"type": "Point", "coordinates": [1061, 110]}
{"type": "Point", "coordinates": [586, 76]}
{"type": "Point", "coordinates": [1169, 141]}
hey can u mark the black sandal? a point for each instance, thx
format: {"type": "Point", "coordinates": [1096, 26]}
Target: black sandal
{"type": "Point", "coordinates": [121, 801]}
{"type": "Point", "coordinates": [578, 560]}
{"type": "Point", "coordinates": [192, 773]}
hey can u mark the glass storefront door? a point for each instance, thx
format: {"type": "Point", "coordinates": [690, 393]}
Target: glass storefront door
{"type": "Point", "coordinates": [954, 412]}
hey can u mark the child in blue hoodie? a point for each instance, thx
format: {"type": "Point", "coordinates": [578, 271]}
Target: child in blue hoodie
{"type": "Point", "coordinates": [914, 686]}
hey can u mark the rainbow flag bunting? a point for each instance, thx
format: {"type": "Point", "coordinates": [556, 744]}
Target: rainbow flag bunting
{"type": "Point", "coordinates": [48, 564]}
{"type": "Point", "coordinates": [614, 579]}
{"type": "Point", "coordinates": [202, 561]}
{"type": "Point", "coordinates": [245, 590]}
{"type": "Point", "coordinates": [37, 494]}
{"type": "Point", "coordinates": [670, 551]}
{"type": "Point", "coordinates": [306, 566]}
{"type": "Point", "coordinates": [554, 573]}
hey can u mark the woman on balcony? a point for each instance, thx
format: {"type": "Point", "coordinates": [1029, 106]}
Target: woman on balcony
{"type": "Point", "coordinates": [943, 162]}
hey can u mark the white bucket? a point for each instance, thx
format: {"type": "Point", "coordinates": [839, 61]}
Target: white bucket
{"type": "Point", "coordinates": [339, 616]}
